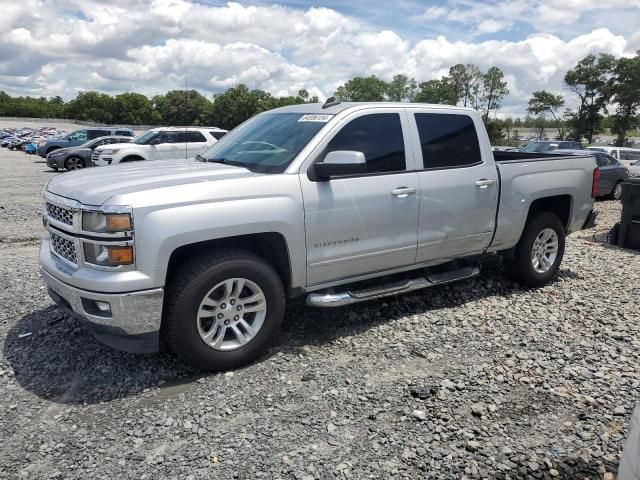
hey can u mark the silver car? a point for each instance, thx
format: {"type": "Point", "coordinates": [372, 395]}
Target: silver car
{"type": "Point", "coordinates": [74, 158]}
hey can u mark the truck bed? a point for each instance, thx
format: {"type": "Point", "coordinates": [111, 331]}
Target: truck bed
{"type": "Point", "coordinates": [525, 177]}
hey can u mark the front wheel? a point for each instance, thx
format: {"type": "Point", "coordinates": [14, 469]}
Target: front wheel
{"type": "Point", "coordinates": [539, 252]}
{"type": "Point", "coordinates": [74, 163]}
{"type": "Point", "coordinates": [223, 310]}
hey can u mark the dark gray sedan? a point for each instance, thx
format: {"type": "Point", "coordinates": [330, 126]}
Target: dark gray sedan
{"type": "Point", "coordinates": [73, 158]}
{"type": "Point", "coordinates": [612, 172]}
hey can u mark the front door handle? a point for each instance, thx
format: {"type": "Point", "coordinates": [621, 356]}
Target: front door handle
{"type": "Point", "coordinates": [485, 182]}
{"type": "Point", "coordinates": [403, 192]}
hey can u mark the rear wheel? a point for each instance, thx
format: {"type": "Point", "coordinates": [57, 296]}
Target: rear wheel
{"type": "Point", "coordinates": [539, 252]}
{"type": "Point", "coordinates": [223, 310]}
{"type": "Point", "coordinates": [74, 163]}
{"type": "Point", "coordinates": [616, 194]}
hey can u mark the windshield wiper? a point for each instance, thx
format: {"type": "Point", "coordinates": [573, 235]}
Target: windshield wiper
{"type": "Point", "coordinates": [226, 161]}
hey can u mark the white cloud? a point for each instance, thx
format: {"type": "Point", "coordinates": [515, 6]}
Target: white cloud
{"type": "Point", "coordinates": [152, 47]}
{"type": "Point", "coordinates": [433, 13]}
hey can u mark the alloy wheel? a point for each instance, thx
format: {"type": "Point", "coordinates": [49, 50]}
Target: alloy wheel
{"type": "Point", "coordinates": [231, 314]}
{"type": "Point", "coordinates": [545, 250]}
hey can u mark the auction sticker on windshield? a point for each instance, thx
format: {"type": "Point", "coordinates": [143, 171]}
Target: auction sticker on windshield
{"type": "Point", "coordinates": [315, 117]}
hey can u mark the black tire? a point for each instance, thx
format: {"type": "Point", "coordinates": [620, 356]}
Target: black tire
{"type": "Point", "coordinates": [189, 286]}
{"type": "Point", "coordinates": [520, 268]}
{"type": "Point", "coordinates": [74, 163]}
{"type": "Point", "coordinates": [616, 193]}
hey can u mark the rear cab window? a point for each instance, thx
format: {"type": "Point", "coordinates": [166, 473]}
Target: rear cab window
{"type": "Point", "coordinates": [447, 140]}
{"type": "Point", "coordinates": [378, 136]}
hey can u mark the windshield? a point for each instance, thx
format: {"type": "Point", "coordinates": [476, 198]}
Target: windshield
{"type": "Point", "coordinates": [540, 147]}
{"type": "Point", "coordinates": [267, 143]}
{"type": "Point", "coordinates": [142, 139]}
{"type": "Point", "coordinates": [636, 164]}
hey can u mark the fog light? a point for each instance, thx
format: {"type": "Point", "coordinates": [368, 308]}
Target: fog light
{"type": "Point", "coordinates": [104, 307]}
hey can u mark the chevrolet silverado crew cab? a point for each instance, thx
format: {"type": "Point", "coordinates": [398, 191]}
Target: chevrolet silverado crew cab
{"type": "Point", "coordinates": [170, 143]}
{"type": "Point", "coordinates": [337, 203]}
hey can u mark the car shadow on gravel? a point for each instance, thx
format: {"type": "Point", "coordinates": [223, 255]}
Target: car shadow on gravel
{"type": "Point", "coordinates": [56, 358]}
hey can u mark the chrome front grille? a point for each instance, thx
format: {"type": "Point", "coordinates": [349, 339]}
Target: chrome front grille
{"type": "Point", "coordinates": [61, 214]}
{"type": "Point", "coordinates": [63, 247]}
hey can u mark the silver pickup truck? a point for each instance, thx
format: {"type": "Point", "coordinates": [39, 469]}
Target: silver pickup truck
{"type": "Point", "coordinates": [337, 203]}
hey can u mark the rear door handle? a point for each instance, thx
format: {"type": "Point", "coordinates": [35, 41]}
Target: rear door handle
{"type": "Point", "coordinates": [403, 192]}
{"type": "Point", "coordinates": [485, 182]}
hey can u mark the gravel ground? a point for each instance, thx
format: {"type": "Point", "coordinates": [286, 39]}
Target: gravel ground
{"type": "Point", "coordinates": [516, 383]}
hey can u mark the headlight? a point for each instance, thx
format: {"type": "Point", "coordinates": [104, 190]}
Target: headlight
{"type": "Point", "coordinates": [108, 255]}
{"type": "Point", "coordinates": [98, 222]}
{"type": "Point", "coordinates": [109, 152]}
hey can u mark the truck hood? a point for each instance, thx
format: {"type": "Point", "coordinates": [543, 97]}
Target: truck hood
{"type": "Point", "coordinates": [94, 186]}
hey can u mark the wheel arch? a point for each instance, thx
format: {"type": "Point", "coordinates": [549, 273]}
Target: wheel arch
{"type": "Point", "coordinates": [270, 246]}
{"type": "Point", "coordinates": [131, 158]}
{"type": "Point", "coordinates": [559, 205]}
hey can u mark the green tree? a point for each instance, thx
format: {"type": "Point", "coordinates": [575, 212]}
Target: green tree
{"type": "Point", "coordinates": [91, 106]}
{"type": "Point", "coordinates": [362, 89]}
{"type": "Point", "coordinates": [590, 80]}
{"type": "Point", "coordinates": [134, 109]}
{"type": "Point", "coordinates": [181, 107]}
{"type": "Point", "coordinates": [401, 89]}
{"type": "Point", "coordinates": [466, 81]}
{"type": "Point", "coordinates": [626, 94]}
{"type": "Point", "coordinates": [548, 105]}
{"type": "Point", "coordinates": [436, 91]}
{"type": "Point", "coordinates": [494, 89]}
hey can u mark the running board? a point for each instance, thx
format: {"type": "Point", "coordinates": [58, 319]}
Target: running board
{"type": "Point", "coordinates": [338, 299]}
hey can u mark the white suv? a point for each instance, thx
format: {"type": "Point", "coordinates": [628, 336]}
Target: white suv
{"type": "Point", "coordinates": [168, 143]}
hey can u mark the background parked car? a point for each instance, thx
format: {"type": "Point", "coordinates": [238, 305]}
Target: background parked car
{"type": "Point", "coordinates": [626, 156]}
{"type": "Point", "coordinates": [612, 172]}
{"type": "Point", "coordinates": [634, 170]}
{"type": "Point", "coordinates": [79, 137]}
{"type": "Point", "coordinates": [73, 158]}
{"type": "Point", "coordinates": [540, 147]}
{"type": "Point", "coordinates": [170, 143]}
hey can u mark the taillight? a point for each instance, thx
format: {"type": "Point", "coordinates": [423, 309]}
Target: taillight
{"type": "Point", "coordinates": [596, 179]}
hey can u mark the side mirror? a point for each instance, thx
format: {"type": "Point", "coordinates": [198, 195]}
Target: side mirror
{"type": "Point", "coordinates": [155, 141]}
{"type": "Point", "coordinates": [341, 162]}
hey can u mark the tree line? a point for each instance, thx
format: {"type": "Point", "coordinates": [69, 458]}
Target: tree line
{"type": "Point", "coordinates": [605, 89]}
{"type": "Point", "coordinates": [601, 85]}
{"type": "Point", "coordinates": [177, 107]}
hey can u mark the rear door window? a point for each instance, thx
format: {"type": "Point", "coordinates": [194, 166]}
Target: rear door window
{"type": "Point", "coordinates": [626, 155]}
{"type": "Point", "coordinates": [124, 133]}
{"type": "Point", "coordinates": [194, 137]}
{"type": "Point", "coordinates": [97, 133]}
{"type": "Point", "coordinates": [448, 140]}
{"type": "Point", "coordinates": [218, 135]}
{"type": "Point", "coordinates": [378, 136]}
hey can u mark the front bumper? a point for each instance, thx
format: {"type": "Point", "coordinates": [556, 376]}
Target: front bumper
{"type": "Point", "coordinates": [132, 324]}
{"type": "Point", "coordinates": [54, 162]}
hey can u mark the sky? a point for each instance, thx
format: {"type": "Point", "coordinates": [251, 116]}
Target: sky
{"type": "Point", "coordinates": [61, 47]}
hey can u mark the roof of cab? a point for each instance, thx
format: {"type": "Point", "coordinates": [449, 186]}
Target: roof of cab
{"type": "Point", "coordinates": [342, 106]}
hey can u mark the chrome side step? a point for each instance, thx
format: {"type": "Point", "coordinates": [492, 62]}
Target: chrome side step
{"type": "Point", "coordinates": [338, 299]}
